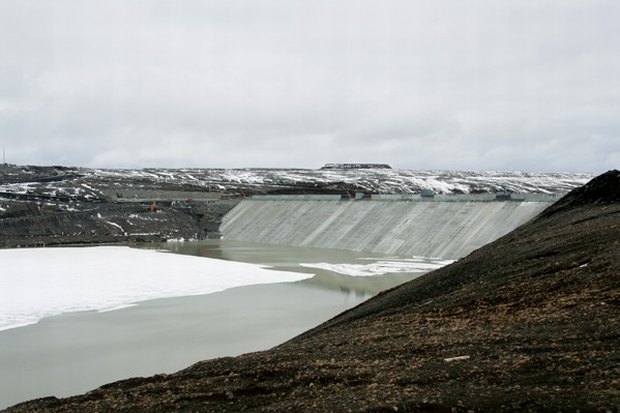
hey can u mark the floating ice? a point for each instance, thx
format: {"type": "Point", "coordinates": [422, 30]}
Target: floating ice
{"type": "Point", "coordinates": [380, 267]}
{"type": "Point", "coordinates": [38, 283]}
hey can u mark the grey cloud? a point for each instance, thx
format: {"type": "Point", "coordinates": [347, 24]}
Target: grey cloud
{"type": "Point", "coordinates": [474, 85]}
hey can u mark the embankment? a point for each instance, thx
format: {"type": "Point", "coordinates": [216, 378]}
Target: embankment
{"type": "Point", "coordinates": [438, 228]}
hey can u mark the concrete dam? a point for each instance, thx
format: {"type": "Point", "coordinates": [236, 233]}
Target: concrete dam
{"type": "Point", "coordinates": [449, 227]}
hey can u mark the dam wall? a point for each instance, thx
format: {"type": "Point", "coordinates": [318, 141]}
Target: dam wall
{"type": "Point", "coordinates": [445, 229]}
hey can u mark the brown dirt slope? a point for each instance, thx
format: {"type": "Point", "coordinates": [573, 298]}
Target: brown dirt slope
{"type": "Point", "coordinates": [530, 322]}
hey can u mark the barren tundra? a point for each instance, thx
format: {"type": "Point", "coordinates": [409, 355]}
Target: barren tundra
{"type": "Point", "coordinates": [530, 322]}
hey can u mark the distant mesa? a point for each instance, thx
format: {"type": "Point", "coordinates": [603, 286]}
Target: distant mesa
{"type": "Point", "coordinates": [356, 166]}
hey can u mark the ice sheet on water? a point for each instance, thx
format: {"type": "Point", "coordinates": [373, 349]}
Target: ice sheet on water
{"type": "Point", "coordinates": [380, 267]}
{"type": "Point", "coordinates": [38, 283]}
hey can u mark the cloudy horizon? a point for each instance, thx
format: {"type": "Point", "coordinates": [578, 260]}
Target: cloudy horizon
{"type": "Point", "coordinates": [530, 85]}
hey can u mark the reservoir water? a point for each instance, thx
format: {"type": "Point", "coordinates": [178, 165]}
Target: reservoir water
{"type": "Point", "coordinates": [207, 299]}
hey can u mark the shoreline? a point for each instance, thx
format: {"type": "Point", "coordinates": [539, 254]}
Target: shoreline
{"type": "Point", "coordinates": [88, 349]}
{"type": "Point", "coordinates": [38, 283]}
{"type": "Point", "coordinates": [163, 335]}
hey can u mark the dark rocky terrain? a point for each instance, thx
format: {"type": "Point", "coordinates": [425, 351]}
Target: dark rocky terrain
{"type": "Point", "coordinates": [51, 205]}
{"type": "Point", "coordinates": [42, 206]}
{"type": "Point", "coordinates": [530, 322]}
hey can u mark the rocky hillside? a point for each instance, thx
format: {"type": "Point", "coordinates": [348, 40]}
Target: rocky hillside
{"type": "Point", "coordinates": [59, 205]}
{"type": "Point", "coordinates": [530, 322]}
{"type": "Point", "coordinates": [66, 205]}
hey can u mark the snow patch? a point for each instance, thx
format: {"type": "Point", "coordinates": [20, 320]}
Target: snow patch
{"type": "Point", "coordinates": [114, 224]}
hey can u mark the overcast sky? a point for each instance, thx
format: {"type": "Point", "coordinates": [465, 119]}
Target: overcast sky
{"type": "Point", "coordinates": [529, 85]}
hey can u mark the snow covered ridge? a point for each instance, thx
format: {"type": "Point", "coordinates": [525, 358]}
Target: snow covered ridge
{"type": "Point", "coordinates": [86, 184]}
{"type": "Point", "coordinates": [382, 181]}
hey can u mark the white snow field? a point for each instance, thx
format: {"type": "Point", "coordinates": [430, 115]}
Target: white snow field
{"type": "Point", "coordinates": [42, 282]}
